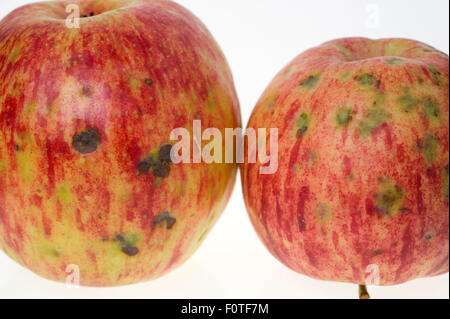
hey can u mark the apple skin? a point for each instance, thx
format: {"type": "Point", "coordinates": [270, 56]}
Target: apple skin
{"type": "Point", "coordinates": [81, 111]}
{"type": "Point", "coordinates": [363, 167]}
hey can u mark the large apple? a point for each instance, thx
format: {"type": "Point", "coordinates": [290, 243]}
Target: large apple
{"type": "Point", "coordinates": [86, 115]}
{"type": "Point", "coordinates": [362, 189]}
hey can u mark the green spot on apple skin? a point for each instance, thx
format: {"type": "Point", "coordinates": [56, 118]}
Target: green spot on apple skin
{"type": "Point", "coordinates": [344, 116]}
{"type": "Point", "coordinates": [389, 198]}
{"type": "Point", "coordinates": [374, 118]}
{"type": "Point", "coordinates": [310, 82]}
{"type": "Point", "coordinates": [86, 142]}
{"type": "Point", "coordinates": [367, 80]}
{"type": "Point", "coordinates": [158, 162]}
{"type": "Point", "coordinates": [270, 104]}
{"type": "Point", "coordinates": [429, 148]}
{"type": "Point", "coordinates": [435, 74]}
{"type": "Point", "coordinates": [302, 125]}
{"type": "Point", "coordinates": [431, 109]}
{"type": "Point", "coordinates": [165, 217]}
{"type": "Point", "coordinates": [128, 244]}
{"type": "Point", "coordinates": [394, 61]}
{"type": "Point", "coordinates": [407, 102]}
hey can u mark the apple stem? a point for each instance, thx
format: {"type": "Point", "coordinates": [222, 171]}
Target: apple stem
{"type": "Point", "coordinates": [363, 293]}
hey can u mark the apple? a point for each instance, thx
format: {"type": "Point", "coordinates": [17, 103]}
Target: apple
{"type": "Point", "coordinates": [361, 194]}
{"type": "Point", "coordinates": [87, 106]}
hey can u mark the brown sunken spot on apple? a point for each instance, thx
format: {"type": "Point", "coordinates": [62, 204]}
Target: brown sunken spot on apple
{"type": "Point", "coordinates": [91, 14]}
{"type": "Point", "coordinates": [164, 153]}
{"type": "Point", "coordinates": [148, 81]}
{"type": "Point", "coordinates": [161, 168]}
{"type": "Point", "coordinates": [165, 217]}
{"type": "Point", "coordinates": [146, 165]}
{"type": "Point", "coordinates": [429, 147]}
{"type": "Point", "coordinates": [128, 244]}
{"type": "Point", "coordinates": [159, 162]}
{"type": "Point", "coordinates": [429, 236]}
{"type": "Point", "coordinates": [87, 142]}
{"type": "Point", "coordinates": [393, 61]}
{"type": "Point", "coordinates": [372, 120]}
{"type": "Point", "coordinates": [130, 251]}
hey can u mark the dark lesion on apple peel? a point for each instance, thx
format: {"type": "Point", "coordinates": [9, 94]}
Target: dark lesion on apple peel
{"type": "Point", "coordinates": [130, 251]}
{"type": "Point", "coordinates": [302, 125]}
{"type": "Point", "coordinates": [146, 165]}
{"type": "Point", "coordinates": [436, 74]}
{"type": "Point", "coordinates": [91, 14]}
{"type": "Point", "coordinates": [310, 82]}
{"type": "Point", "coordinates": [389, 199]}
{"type": "Point", "coordinates": [127, 248]}
{"type": "Point", "coordinates": [86, 142]}
{"type": "Point", "coordinates": [161, 170]}
{"type": "Point", "coordinates": [165, 217]}
{"type": "Point", "coordinates": [368, 79]}
{"type": "Point", "coordinates": [159, 164]}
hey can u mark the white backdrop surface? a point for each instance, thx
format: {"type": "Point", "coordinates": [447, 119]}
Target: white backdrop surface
{"type": "Point", "coordinates": [259, 37]}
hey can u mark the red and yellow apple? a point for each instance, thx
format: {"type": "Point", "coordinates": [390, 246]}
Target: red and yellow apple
{"type": "Point", "coordinates": [363, 177]}
{"type": "Point", "coordinates": [86, 115]}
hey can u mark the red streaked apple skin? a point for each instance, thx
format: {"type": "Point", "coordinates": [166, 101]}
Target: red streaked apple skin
{"type": "Point", "coordinates": [80, 111]}
{"type": "Point", "coordinates": [363, 164]}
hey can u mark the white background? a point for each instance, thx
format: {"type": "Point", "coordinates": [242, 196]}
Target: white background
{"type": "Point", "coordinates": [259, 37]}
